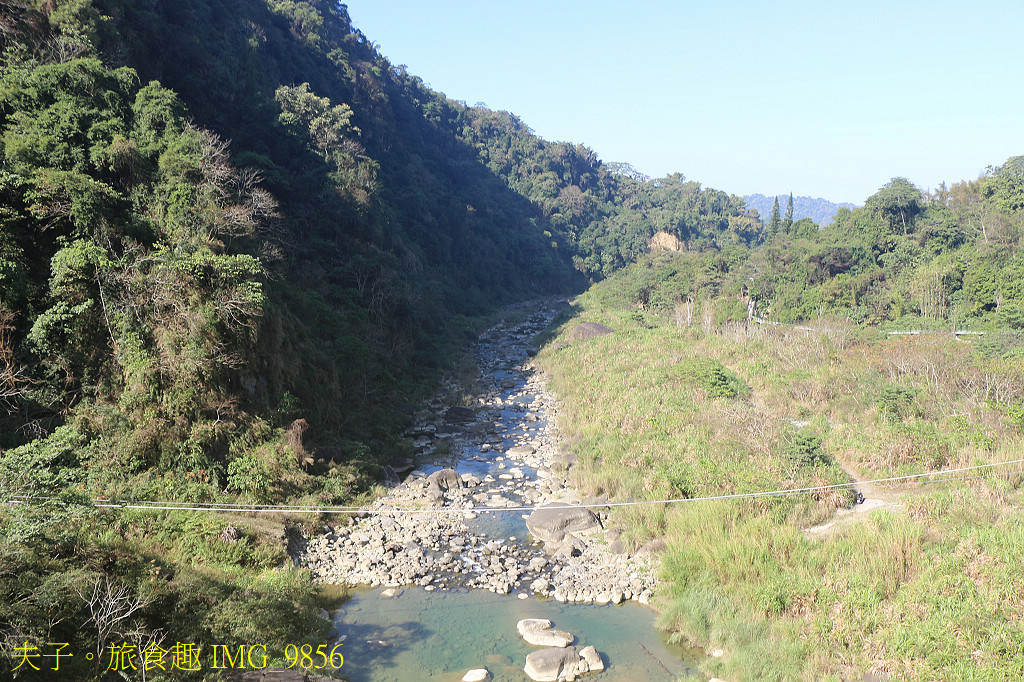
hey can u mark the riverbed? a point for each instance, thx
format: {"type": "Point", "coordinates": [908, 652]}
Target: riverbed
{"type": "Point", "coordinates": [442, 568]}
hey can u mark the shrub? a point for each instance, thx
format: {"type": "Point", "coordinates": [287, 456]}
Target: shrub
{"type": "Point", "coordinates": [710, 376]}
{"type": "Point", "coordinates": [897, 402]}
{"type": "Point", "coordinates": [805, 449]}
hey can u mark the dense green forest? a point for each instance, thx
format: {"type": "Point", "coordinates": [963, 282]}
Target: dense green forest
{"type": "Point", "coordinates": [237, 245]}
{"type": "Point", "coordinates": [907, 259]}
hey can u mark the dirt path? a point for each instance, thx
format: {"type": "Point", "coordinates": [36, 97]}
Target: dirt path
{"type": "Point", "coordinates": [874, 497]}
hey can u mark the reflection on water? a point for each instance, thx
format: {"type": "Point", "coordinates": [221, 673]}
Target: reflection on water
{"type": "Point", "coordinates": [421, 635]}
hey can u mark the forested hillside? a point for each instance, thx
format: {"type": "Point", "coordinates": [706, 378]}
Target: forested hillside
{"type": "Point", "coordinates": [751, 370]}
{"type": "Point", "coordinates": [236, 244]}
{"type": "Point", "coordinates": [267, 157]}
{"type": "Point", "coordinates": [907, 259]}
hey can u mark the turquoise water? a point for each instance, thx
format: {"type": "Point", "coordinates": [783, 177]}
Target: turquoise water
{"type": "Point", "coordinates": [421, 635]}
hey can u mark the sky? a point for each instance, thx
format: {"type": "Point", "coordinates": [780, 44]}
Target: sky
{"type": "Point", "coordinates": [828, 98]}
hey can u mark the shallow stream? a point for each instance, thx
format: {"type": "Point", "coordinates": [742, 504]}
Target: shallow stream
{"type": "Point", "coordinates": [439, 634]}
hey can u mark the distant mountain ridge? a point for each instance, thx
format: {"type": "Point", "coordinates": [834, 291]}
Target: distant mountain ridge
{"type": "Point", "coordinates": [821, 211]}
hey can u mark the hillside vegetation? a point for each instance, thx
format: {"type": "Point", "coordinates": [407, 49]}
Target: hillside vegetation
{"type": "Point", "coordinates": [237, 246]}
{"type": "Point", "coordinates": [927, 586]}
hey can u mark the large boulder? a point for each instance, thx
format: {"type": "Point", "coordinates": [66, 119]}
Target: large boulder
{"type": "Point", "coordinates": [587, 330]}
{"type": "Point", "coordinates": [538, 632]}
{"type": "Point", "coordinates": [550, 523]}
{"type": "Point", "coordinates": [569, 547]}
{"type": "Point", "coordinates": [546, 665]}
{"type": "Point", "coordinates": [445, 479]}
{"type": "Point", "coordinates": [460, 414]}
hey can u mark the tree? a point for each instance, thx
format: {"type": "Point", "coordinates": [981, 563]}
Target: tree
{"type": "Point", "coordinates": [1005, 185]}
{"type": "Point", "coordinates": [776, 221]}
{"type": "Point", "coordinates": [898, 201]}
{"type": "Point", "coordinates": [788, 223]}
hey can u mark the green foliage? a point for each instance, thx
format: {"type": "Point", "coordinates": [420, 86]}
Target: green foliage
{"type": "Point", "coordinates": [899, 202]}
{"type": "Point", "coordinates": [897, 402]}
{"type": "Point", "coordinates": [246, 475]}
{"type": "Point", "coordinates": [1016, 414]}
{"type": "Point", "coordinates": [330, 136]}
{"type": "Point", "coordinates": [51, 469]}
{"type": "Point", "coordinates": [805, 449]}
{"type": "Point", "coordinates": [775, 224]}
{"type": "Point", "coordinates": [157, 115]}
{"type": "Point", "coordinates": [1005, 185]}
{"type": "Point", "coordinates": [710, 376]}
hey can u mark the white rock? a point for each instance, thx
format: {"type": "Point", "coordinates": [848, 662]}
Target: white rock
{"type": "Point", "coordinates": [593, 659]}
{"type": "Point", "coordinates": [477, 675]}
{"type": "Point", "coordinates": [549, 665]}
{"type": "Point", "coordinates": [532, 624]}
{"type": "Point", "coordinates": [538, 632]}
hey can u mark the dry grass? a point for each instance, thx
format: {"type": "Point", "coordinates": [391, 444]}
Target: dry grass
{"type": "Point", "coordinates": [743, 575]}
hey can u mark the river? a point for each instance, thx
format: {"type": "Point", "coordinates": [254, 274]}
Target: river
{"type": "Point", "coordinates": [460, 581]}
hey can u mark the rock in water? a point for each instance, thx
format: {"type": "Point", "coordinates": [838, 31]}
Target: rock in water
{"type": "Point", "coordinates": [547, 664]}
{"type": "Point", "coordinates": [538, 632]}
{"type": "Point", "coordinates": [532, 624]}
{"type": "Point", "coordinates": [477, 675]}
{"type": "Point", "coordinates": [551, 524]}
{"type": "Point", "coordinates": [592, 658]}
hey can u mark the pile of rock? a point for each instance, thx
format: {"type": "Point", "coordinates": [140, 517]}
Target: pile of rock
{"type": "Point", "coordinates": [558, 660]}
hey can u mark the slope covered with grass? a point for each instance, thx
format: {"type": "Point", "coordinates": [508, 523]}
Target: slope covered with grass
{"type": "Point", "coordinates": [672, 405]}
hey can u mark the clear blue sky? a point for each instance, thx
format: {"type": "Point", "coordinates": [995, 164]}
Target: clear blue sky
{"type": "Point", "coordinates": [823, 98]}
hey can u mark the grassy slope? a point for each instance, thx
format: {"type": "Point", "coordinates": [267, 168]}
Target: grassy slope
{"type": "Point", "coordinates": [929, 588]}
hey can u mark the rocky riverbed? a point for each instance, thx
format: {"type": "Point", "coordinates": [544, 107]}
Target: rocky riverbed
{"type": "Point", "coordinates": [486, 504]}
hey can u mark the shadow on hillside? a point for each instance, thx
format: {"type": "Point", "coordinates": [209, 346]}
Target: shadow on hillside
{"type": "Point", "coordinates": [567, 314]}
